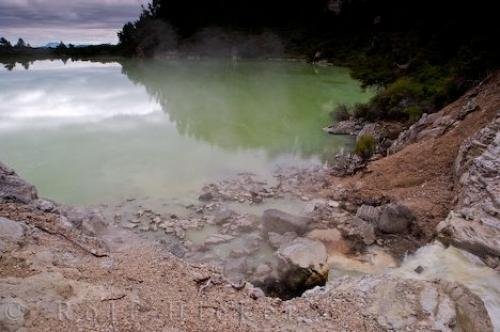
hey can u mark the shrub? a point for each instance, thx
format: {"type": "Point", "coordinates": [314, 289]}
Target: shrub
{"type": "Point", "coordinates": [361, 111]}
{"type": "Point", "coordinates": [365, 146]}
{"type": "Point", "coordinates": [414, 113]}
{"type": "Point", "coordinates": [341, 113]}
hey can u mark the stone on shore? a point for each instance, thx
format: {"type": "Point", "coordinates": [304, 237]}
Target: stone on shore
{"type": "Point", "coordinates": [277, 240]}
{"type": "Point", "coordinates": [369, 213]}
{"type": "Point", "coordinates": [280, 222]}
{"type": "Point", "coordinates": [395, 219]}
{"type": "Point", "coordinates": [359, 231]}
{"type": "Point", "coordinates": [11, 233]}
{"type": "Point", "coordinates": [14, 188]}
{"type": "Point", "coordinates": [303, 264]}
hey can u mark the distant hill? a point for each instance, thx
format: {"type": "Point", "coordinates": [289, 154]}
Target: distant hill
{"type": "Point", "coordinates": [51, 45]}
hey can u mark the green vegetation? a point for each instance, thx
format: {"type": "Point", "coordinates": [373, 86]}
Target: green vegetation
{"type": "Point", "coordinates": [365, 146]}
{"type": "Point", "coordinates": [406, 96]}
{"type": "Point", "coordinates": [340, 113]}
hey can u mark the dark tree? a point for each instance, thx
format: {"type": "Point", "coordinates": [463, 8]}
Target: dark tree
{"type": "Point", "coordinates": [20, 43]}
{"type": "Point", "coordinates": [4, 42]}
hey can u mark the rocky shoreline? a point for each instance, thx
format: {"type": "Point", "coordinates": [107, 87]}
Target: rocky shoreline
{"type": "Point", "coordinates": [236, 244]}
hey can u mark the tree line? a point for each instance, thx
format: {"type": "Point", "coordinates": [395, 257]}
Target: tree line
{"type": "Point", "coordinates": [19, 44]}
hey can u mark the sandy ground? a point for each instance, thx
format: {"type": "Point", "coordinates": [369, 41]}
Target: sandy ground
{"type": "Point", "coordinates": [141, 287]}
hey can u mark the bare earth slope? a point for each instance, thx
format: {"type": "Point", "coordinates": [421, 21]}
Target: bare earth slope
{"type": "Point", "coordinates": [420, 172]}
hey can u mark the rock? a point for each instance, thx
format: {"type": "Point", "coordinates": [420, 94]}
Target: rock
{"type": "Point", "coordinates": [256, 293]}
{"type": "Point", "coordinates": [11, 232]}
{"type": "Point", "coordinates": [304, 253]}
{"type": "Point", "coordinates": [130, 225]}
{"type": "Point", "coordinates": [205, 197]}
{"type": "Point", "coordinates": [470, 310]}
{"type": "Point", "coordinates": [371, 129]}
{"type": "Point", "coordinates": [474, 225]}
{"type": "Point", "coordinates": [331, 238]}
{"type": "Point", "coordinates": [302, 264]}
{"type": "Point", "coordinates": [358, 231]}
{"type": "Point", "coordinates": [223, 215]}
{"type": "Point", "coordinates": [348, 127]}
{"type": "Point", "coordinates": [14, 188]}
{"type": "Point", "coordinates": [333, 204]}
{"type": "Point", "coordinates": [218, 238]}
{"type": "Point", "coordinates": [45, 205]}
{"type": "Point", "coordinates": [82, 218]}
{"type": "Point", "coordinates": [433, 125]}
{"type": "Point", "coordinates": [419, 269]}
{"type": "Point", "coordinates": [314, 205]}
{"type": "Point", "coordinates": [277, 240]}
{"type": "Point", "coordinates": [409, 305]}
{"type": "Point", "coordinates": [262, 270]}
{"type": "Point", "coordinates": [177, 250]}
{"type": "Point", "coordinates": [469, 107]}
{"type": "Point", "coordinates": [478, 238]}
{"type": "Point", "coordinates": [244, 224]}
{"type": "Point", "coordinates": [368, 213]}
{"type": "Point", "coordinates": [239, 252]}
{"type": "Point", "coordinates": [280, 222]}
{"type": "Point", "coordinates": [395, 219]}
{"type": "Point", "coordinates": [199, 277]}
{"type": "Point", "coordinates": [345, 164]}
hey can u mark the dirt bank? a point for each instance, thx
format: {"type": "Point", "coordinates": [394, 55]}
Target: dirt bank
{"type": "Point", "coordinates": [421, 173]}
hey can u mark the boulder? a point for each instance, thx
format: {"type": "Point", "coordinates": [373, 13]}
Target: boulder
{"type": "Point", "coordinates": [280, 222]}
{"type": "Point", "coordinates": [409, 305]}
{"type": "Point", "coordinates": [345, 164]}
{"type": "Point", "coordinates": [13, 188]}
{"type": "Point", "coordinates": [277, 240]}
{"type": "Point", "coordinates": [217, 239]}
{"type": "Point", "coordinates": [11, 232]}
{"type": "Point", "coordinates": [331, 238]}
{"type": "Point", "coordinates": [369, 213]}
{"type": "Point", "coordinates": [359, 231]}
{"type": "Point", "coordinates": [395, 219]}
{"type": "Point", "coordinates": [206, 196]}
{"type": "Point", "coordinates": [223, 216]}
{"type": "Point", "coordinates": [304, 253]}
{"type": "Point", "coordinates": [45, 205]}
{"type": "Point", "coordinates": [478, 238]}
{"type": "Point", "coordinates": [302, 265]}
{"type": "Point", "coordinates": [347, 127]}
{"type": "Point", "coordinates": [474, 225]}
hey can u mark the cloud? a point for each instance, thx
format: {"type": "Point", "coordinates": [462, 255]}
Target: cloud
{"type": "Point", "coordinates": [77, 21]}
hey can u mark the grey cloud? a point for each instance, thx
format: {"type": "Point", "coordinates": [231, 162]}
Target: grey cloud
{"type": "Point", "coordinates": [66, 16]}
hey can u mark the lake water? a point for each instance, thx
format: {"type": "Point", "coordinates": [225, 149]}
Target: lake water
{"type": "Point", "coordinates": [88, 132]}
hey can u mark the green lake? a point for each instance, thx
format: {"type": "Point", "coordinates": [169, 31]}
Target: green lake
{"type": "Point", "coordinates": [89, 132]}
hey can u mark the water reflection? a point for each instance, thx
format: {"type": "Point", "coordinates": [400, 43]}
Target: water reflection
{"type": "Point", "coordinates": [276, 106]}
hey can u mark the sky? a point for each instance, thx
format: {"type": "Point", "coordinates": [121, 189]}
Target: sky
{"type": "Point", "coordinates": [39, 22]}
